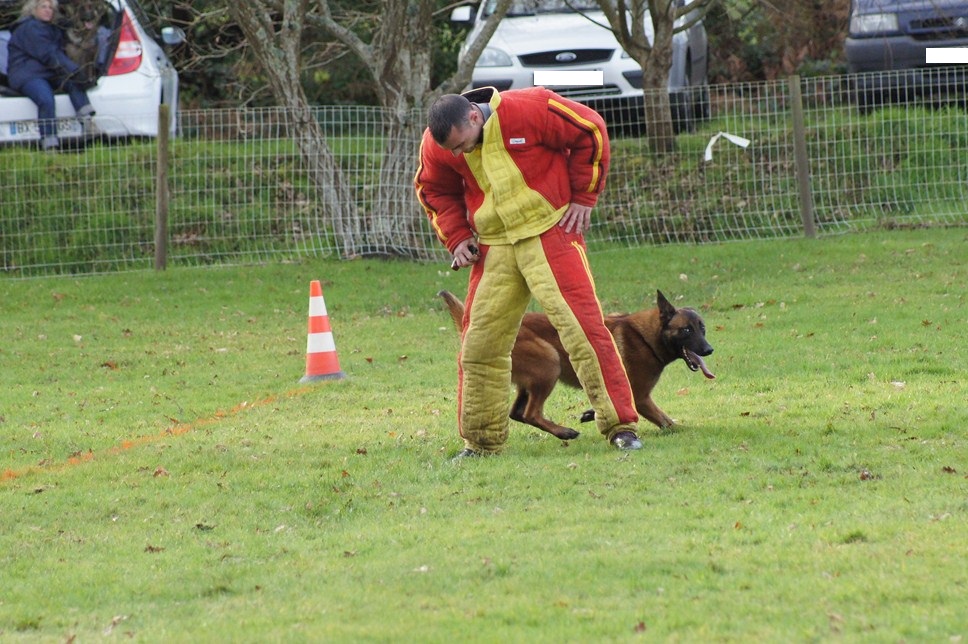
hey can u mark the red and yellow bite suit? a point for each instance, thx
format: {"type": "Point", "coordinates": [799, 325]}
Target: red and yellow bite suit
{"type": "Point", "coordinates": [539, 153]}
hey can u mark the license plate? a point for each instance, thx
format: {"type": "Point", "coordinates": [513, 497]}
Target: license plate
{"type": "Point", "coordinates": [65, 127]}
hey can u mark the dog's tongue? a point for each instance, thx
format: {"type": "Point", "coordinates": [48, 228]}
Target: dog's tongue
{"type": "Point", "coordinates": [699, 362]}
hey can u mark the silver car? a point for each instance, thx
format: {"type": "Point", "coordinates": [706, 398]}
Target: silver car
{"type": "Point", "coordinates": [134, 78]}
{"type": "Point", "coordinates": [573, 35]}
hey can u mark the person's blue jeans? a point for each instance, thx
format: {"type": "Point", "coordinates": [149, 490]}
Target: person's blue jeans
{"type": "Point", "coordinates": [39, 90]}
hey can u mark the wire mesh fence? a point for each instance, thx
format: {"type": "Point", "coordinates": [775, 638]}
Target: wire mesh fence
{"type": "Point", "coordinates": [252, 185]}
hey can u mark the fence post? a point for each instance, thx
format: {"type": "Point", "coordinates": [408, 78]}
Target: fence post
{"type": "Point", "coordinates": [802, 161]}
{"type": "Point", "coordinates": [161, 189]}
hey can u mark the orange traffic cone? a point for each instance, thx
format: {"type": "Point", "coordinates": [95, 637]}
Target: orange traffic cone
{"type": "Point", "coordinates": [322, 363]}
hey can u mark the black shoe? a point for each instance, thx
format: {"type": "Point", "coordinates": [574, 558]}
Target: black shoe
{"type": "Point", "coordinates": [467, 452]}
{"type": "Point", "coordinates": [626, 440]}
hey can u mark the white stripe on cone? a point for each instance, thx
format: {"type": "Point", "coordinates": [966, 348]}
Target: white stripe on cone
{"type": "Point", "coordinates": [317, 307]}
{"type": "Point", "coordinates": [320, 343]}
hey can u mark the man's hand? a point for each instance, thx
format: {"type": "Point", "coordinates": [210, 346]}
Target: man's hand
{"type": "Point", "coordinates": [576, 218]}
{"type": "Point", "coordinates": [465, 254]}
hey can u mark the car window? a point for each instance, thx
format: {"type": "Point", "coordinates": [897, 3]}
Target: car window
{"type": "Point", "coordinates": [533, 7]}
{"type": "Point", "coordinates": [142, 18]}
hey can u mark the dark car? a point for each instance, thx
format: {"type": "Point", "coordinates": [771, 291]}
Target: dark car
{"type": "Point", "coordinates": [886, 48]}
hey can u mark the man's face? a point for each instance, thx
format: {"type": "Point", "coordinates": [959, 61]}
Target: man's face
{"type": "Point", "coordinates": [465, 138]}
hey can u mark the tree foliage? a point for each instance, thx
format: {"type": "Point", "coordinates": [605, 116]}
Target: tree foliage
{"type": "Point", "coordinates": [764, 39]}
{"type": "Point", "coordinates": [749, 40]}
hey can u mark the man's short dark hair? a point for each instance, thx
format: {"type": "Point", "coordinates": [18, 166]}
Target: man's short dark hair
{"type": "Point", "coordinates": [447, 112]}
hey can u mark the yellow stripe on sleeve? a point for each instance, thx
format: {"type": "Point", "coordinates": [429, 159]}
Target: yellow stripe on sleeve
{"type": "Point", "coordinates": [596, 133]}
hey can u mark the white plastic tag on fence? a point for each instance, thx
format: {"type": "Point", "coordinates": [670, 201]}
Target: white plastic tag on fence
{"type": "Point", "coordinates": [732, 138]}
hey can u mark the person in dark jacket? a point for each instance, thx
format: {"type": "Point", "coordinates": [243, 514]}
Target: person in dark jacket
{"type": "Point", "coordinates": [38, 66]}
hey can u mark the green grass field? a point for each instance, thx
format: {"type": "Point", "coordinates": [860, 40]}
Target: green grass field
{"type": "Point", "coordinates": [164, 477]}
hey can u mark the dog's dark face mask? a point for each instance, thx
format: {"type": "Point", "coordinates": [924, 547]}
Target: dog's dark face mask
{"type": "Point", "coordinates": [690, 333]}
{"type": "Point", "coordinates": [684, 331]}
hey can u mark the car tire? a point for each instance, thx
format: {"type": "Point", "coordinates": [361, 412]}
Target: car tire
{"type": "Point", "coordinates": [701, 107]}
{"type": "Point", "coordinates": [683, 114]}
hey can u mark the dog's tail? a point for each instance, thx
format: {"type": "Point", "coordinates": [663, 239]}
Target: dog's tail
{"type": "Point", "coordinates": [455, 307]}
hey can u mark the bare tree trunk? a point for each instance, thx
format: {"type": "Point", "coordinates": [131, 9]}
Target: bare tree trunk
{"type": "Point", "coordinates": [339, 199]}
{"type": "Point", "coordinates": [274, 34]}
{"type": "Point", "coordinates": [655, 79]}
{"type": "Point", "coordinates": [627, 19]}
{"type": "Point", "coordinates": [399, 57]}
{"type": "Point", "coordinates": [400, 216]}
{"type": "Point", "coordinates": [403, 81]}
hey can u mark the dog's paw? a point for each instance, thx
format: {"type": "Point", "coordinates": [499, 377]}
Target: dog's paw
{"type": "Point", "coordinates": [567, 434]}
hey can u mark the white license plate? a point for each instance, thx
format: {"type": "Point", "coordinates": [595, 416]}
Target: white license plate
{"type": "Point", "coordinates": [65, 127]}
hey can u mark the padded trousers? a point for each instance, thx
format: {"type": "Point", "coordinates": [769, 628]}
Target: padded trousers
{"type": "Point", "coordinates": [553, 268]}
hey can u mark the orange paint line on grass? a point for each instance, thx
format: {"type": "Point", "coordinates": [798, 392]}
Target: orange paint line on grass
{"type": "Point", "coordinates": [178, 429]}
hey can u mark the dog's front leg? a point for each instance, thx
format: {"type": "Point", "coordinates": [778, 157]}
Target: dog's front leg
{"type": "Point", "coordinates": [651, 412]}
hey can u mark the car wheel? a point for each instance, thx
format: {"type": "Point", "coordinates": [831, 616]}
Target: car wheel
{"type": "Point", "coordinates": [867, 95]}
{"type": "Point", "coordinates": [682, 111]}
{"type": "Point", "coordinates": [701, 108]}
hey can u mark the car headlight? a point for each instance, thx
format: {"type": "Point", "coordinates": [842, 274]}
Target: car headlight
{"type": "Point", "coordinates": [873, 23]}
{"type": "Point", "coordinates": [492, 57]}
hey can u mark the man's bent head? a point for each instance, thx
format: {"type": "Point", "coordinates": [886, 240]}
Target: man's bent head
{"type": "Point", "coordinates": [455, 124]}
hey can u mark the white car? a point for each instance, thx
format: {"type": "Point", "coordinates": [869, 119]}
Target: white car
{"type": "Point", "coordinates": [135, 77]}
{"type": "Point", "coordinates": [573, 36]}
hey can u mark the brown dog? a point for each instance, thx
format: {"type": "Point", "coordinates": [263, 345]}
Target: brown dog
{"type": "Point", "coordinates": [647, 341]}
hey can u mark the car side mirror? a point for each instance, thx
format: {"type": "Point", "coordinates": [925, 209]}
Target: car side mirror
{"type": "Point", "coordinates": [172, 36]}
{"type": "Point", "coordinates": [462, 15]}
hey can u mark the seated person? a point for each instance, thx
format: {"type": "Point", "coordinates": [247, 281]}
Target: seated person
{"type": "Point", "coordinates": [38, 66]}
{"type": "Point", "coordinates": [4, 38]}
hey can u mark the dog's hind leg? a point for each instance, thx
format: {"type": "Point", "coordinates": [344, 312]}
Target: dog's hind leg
{"type": "Point", "coordinates": [520, 404]}
{"type": "Point", "coordinates": [528, 408]}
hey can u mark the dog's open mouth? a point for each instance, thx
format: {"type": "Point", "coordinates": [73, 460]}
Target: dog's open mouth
{"type": "Point", "coordinates": [696, 363]}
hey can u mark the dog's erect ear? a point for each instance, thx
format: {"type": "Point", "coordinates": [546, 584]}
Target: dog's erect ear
{"type": "Point", "coordinates": [666, 310]}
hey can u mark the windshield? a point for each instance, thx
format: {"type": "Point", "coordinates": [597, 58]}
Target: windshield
{"type": "Point", "coordinates": [532, 7]}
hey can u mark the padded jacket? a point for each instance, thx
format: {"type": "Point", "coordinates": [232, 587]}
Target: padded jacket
{"type": "Point", "coordinates": [36, 50]}
{"type": "Point", "coordinates": [540, 152]}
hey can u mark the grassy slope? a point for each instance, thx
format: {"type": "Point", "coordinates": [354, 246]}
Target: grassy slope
{"type": "Point", "coordinates": [168, 478]}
